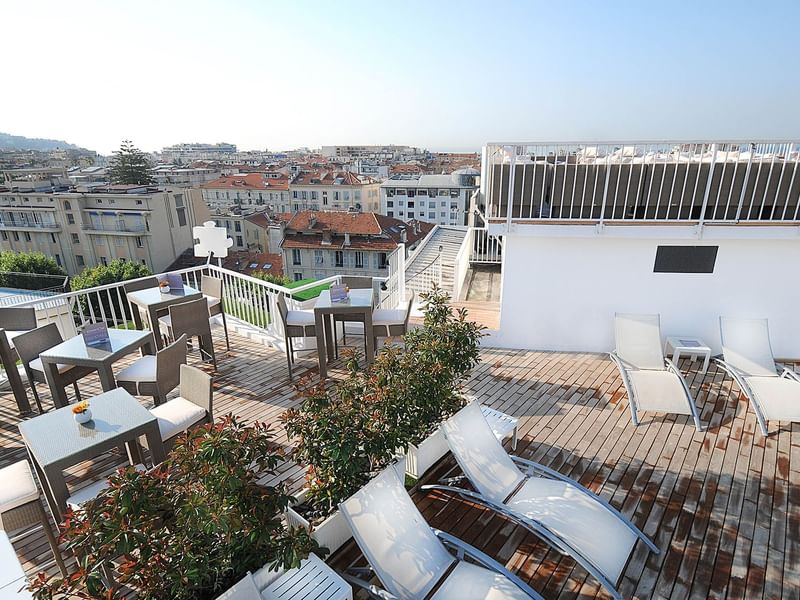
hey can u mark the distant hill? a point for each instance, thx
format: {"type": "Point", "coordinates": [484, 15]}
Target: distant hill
{"type": "Point", "coordinates": [19, 142]}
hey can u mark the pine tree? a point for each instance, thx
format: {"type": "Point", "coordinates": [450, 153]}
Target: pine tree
{"type": "Point", "coordinates": [130, 165]}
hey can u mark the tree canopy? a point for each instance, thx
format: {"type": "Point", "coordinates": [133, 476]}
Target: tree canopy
{"type": "Point", "coordinates": [28, 262]}
{"type": "Point", "coordinates": [115, 271]}
{"type": "Point", "coordinates": [129, 165]}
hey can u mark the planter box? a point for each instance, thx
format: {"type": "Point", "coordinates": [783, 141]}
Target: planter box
{"type": "Point", "coordinates": [332, 533]}
{"type": "Point", "coordinates": [421, 458]}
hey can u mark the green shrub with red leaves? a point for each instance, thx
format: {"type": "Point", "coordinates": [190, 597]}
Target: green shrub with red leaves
{"type": "Point", "coordinates": [188, 529]}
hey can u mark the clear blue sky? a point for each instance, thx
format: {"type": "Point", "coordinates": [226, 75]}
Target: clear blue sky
{"type": "Point", "coordinates": [446, 75]}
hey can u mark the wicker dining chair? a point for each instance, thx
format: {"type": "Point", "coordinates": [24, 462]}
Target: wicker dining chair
{"type": "Point", "coordinates": [15, 321]}
{"type": "Point", "coordinates": [32, 343]}
{"type": "Point", "coordinates": [296, 324]}
{"type": "Point", "coordinates": [391, 322]}
{"type": "Point", "coordinates": [190, 318]}
{"type": "Point", "coordinates": [212, 290]}
{"type": "Point", "coordinates": [193, 406]}
{"type": "Point", "coordinates": [21, 506]}
{"type": "Point", "coordinates": [155, 375]}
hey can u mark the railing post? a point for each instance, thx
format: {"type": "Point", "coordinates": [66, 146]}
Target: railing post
{"type": "Point", "coordinates": [708, 183]}
{"type": "Point", "coordinates": [511, 183]}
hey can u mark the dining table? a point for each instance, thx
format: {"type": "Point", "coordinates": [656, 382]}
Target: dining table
{"type": "Point", "coordinates": [359, 302]}
{"type": "Point", "coordinates": [75, 351]}
{"type": "Point", "coordinates": [156, 303]}
{"type": "Point", "coordinates": [55, 441]}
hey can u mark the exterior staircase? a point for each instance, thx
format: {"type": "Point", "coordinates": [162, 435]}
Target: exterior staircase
{"type": "Point", "coordinates": [425, 267]}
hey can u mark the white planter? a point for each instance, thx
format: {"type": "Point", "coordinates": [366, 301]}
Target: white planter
{"type": "Point", "coordinates": [332, 533]}
{"type": "Point", "coordinates": [83, 417]}
{"type": "Point", "coordinates": [421, 458]}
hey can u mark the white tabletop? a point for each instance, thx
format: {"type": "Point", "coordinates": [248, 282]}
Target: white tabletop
{"type": "Point", "coordinates": [119, 341]}
{"type": "Point", "coordinates": [356, 298]}
{"type": "Point", "coordinates": [151, 296]}
{"type": "Point", "coordinates": [687, 343]}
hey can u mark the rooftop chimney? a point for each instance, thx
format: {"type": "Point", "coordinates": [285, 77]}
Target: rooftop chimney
{"type": "Point", "coordinates": [346, 239]}
{"type": "Point", "coordinates": [403, 235]}
{"type": "Point", "coordinates": [312, 221]}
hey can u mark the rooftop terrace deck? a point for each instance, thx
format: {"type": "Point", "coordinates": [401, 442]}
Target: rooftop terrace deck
{"type": "Point", "coordinates": [723, 505]}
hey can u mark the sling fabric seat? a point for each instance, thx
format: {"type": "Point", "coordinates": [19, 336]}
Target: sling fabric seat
{"type": "Point", "coordinates": [563, 513]}
{"type": "Point", "coordinates": [653, 383]}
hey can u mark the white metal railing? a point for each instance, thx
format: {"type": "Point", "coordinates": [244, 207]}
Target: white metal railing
{"type": "Point", "coordinates": [425, 278]}
{"type": "Point", "coordinates": [25, 224]}
{"type": "Point", "coordinates": [643, 182]}
{"type": "Point", "coordinates": [396, 281]}
{"type": "Point", "coordinates": [486, 248]}
{"type": "Point", "coordinates": [245, 298]}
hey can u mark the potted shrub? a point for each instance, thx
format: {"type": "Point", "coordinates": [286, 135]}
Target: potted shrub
{"type": "Point", "coordinates": [188, 529]}
{"type": "Point", "coordinates": [441, 355]}
{"type": "Point", "coordinates": [351, 431]}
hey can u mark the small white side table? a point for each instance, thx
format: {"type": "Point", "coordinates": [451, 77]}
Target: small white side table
{"type": "Point", "coordinates": [311, 581]}
{"type": "Point", "coordinates": [690, 346]}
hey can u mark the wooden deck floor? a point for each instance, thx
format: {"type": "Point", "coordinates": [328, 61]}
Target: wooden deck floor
{"type": "Point", "coordinates": [723, 504]}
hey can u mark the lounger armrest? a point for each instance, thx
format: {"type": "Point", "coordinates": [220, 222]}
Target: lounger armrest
{"type": "Point", "coordinates": [623, 368]}
{"type": "Point", "coordinates": [352, 576]}
{"type": "Point", "coordinates": [673, 368]}
{"type": "Point", "coordinates": [733, 372]}
{"type": "Point", "coordinates": [790, 374]}
{"type": "Point", "coordinates": [463, 549]}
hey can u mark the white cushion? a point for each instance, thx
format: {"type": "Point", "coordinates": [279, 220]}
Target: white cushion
{"type": "Point", "coordinates": [142, 369]}
{"type": "Point", "coordinates": [17, 486]}
{"type": "Point", "coordinates": [91, 491]}
{"type": "Point", "coordinates": [165, 324]}
{"type": "Point", "coordinates": [388, 316]}
{"type": "Point", "coordinates": [300, 317]}
{"type": "Point", "coordinates": [659, 391]}
{"type": "Point", "coordinates": [36, 365]}
{"type": "Point", "coordinates": [245, 589]}
{"type": "Point", "coordinates": [580, 520]}
{"type": "Point", "coordinates": [472, 581]}
{"type": "Point", "coordinates": [176, 416]}
{"type": "Point", "coordinates": [10, 335]}
{"type": "Point", "coordinates": [778, 397]}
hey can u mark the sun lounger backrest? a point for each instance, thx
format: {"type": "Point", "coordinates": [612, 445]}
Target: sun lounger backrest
{"type": "Point", "coordinates": [480, 455]}
{"type": "Point", "coordinates": [400, 546]}
{"type": "Point", "coordinates": [638, 339]}
{"type": "Point", "coordinates": [745, 346]}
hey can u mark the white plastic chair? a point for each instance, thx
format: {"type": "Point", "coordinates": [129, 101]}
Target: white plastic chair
{"type": "Point", "coordinates": [747, 357]}
{"type": "Point", "coordinates": [411, 559]}
{"type": "Point", "coordinates": [555, 508]}
{"type": "Point", "coordinates": [652, 381]}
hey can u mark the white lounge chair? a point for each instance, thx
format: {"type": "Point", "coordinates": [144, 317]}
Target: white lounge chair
{"type": "Point", "coordinates": [411, 559]}
{"type": "Point", "coordinates": [553, 507]}
{"type": "Point", "coordinates": [747, 357]}
{"type": "Point", "coordinates": [652, 381]}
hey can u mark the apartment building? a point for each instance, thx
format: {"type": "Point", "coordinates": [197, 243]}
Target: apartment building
{"type": "Point", "coordinates": [381, 153]}
{"type": "Point", "coordinates": [440, 199]}
{"type": "Point", "coordinates": [190, 152]}
{"type": "Point", "coordinates": [321, 190]}
{"type": "Point", "coordinates": [183, 176]}
{"type": "Point", "coordinates": [325, 243]}
{"type": "Point", "coordinates": [85, 228]}
{"type": "Point", "coordinates": [247, 192]}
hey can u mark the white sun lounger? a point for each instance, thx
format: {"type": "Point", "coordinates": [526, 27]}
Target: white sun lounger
{"type": "Point", "coordinates": [566, 515]}
{"type": "Point", "coordinates": [653, 382]}
{"type": "Point", "coordinates": [747, 357]}
{"type": "Point", "coordinates": [411, 559]}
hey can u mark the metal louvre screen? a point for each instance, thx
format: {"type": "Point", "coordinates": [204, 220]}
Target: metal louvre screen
{"type": "Point", "coordinates": [685, 259]}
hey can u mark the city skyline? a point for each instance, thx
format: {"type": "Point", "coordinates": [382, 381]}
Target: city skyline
{"type": "Point", "coordinates": [451, 76]}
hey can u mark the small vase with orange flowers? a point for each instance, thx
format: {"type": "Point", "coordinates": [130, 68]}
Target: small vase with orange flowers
{"type": "Point", "coordinates": [82, 413]}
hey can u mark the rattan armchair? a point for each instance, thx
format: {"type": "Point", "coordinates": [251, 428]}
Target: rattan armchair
{"type": "Point", "coordinates": [135, 286]}
{"type": "Point", "coordinates": [32, 343]}
{"type": "Point", "coordinates": [155, 375]}
{"type": "Point", "coordinates": [190, 319]}
{"type": "Point", "coordinates": [13, 322]}
{"type": "Point", "coordinates": [193, 406]}
{"type": "Point", "coordinates": [212, 290]}
{"type": "Point", "coordinates": [296, 324]}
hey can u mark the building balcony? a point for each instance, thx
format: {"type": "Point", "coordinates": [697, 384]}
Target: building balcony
{"type": "Point", "coordinates": [115, 229]}
{"type": "Point", "coordinates": [16, 225]}
{"type": "Point", "coordinates": [633, 183]}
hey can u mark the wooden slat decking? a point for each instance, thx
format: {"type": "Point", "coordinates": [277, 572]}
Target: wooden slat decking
{"type": "Point", "coordinates": [723, 504]}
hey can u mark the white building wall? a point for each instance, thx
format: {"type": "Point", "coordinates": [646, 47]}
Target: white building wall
{"type": "Point", "coordinates": [561, 293]}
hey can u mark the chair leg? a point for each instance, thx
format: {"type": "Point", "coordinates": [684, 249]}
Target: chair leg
{"type": "Point", "coordinates": [225, 327]}
{"type": "Point", "coordinates": [77, 391]}
{"type": "Point", "coordinates": [344, 333]}
{"type": "Point", "coordinates": [288, 344]}
{"type": "Point", "coordinates": [51, 539]}
{"type": "Point", "coordinates": [36, 397]}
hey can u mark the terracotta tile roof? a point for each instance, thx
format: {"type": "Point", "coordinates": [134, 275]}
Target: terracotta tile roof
{"type": "Point", "coordinates": [368, 231]}
{"type": "Point", "coordinates": [251, 262]}
{"type": "Point", "coordinates": [336, 222]}
{"type": "Point", "coordinates": [318, 177]}
{"type": "Point", "coordinates": [264, 219]}
{"type": "Point", "coordinates": [249, 181]}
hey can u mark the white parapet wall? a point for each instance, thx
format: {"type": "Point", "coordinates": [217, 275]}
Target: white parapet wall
{"type": "Point", "coordinates": [561, 289]}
